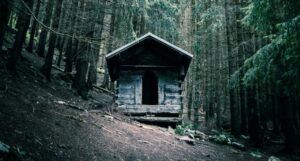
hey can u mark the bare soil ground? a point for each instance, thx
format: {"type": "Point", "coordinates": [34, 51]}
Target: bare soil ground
{"type": "Point", "coordinates": [37, 121]}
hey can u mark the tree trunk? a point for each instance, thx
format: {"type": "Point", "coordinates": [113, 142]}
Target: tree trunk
{"type": "Point", "coordinates": [23, 25]}
{"type": "Point", "coordinates": [43, 36]}
{"type": "Point", "coordinates": [46, 68]}
{"type": "Point", "coordinates": [105, 82]}
{"type": "Point", "coordinates": [142, 25]}
{"type": "Point", "coordinates": [60, 56]}
{"type": "Point", "coordinates": [254, 120]}
{"type": "Point", "coordinates": [275, 112]}
{"type": "Point", "coordinates": [79, 83]}
{"type": "Point", "coordinates": [60, 42]}
{"type": "Point", "coordinates": [289, 119]}
{"type": "Point", "coordinates": [231, 32]}
{"type": "Point", "coordinates": [92, 75]}
{"type": "Point", "coordinates": [11, 20]}
{"type": "Point", "coordinates": [34, 26]}
{"type": "Point", "coordinates": [83, 55]}
{"type": "Point", "coordinates": [4, 17]}
{"type": "Point", "coordinates": [70, 41]}
{"type": "Point", "coordinates": [69, 57]}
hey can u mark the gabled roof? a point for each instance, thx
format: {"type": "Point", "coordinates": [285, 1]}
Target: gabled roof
{"type": "Point", "coordinates": [143, 50]}
{"type": "Point", "coordinates": [147, 36]}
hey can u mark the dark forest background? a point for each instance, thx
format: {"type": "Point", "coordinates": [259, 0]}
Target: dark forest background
{"type": "Point", "coordinates": [245, 75]}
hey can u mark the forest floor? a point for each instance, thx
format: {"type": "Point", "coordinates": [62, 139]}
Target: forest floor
{"type": "Point", "coordinates": [42, 121]}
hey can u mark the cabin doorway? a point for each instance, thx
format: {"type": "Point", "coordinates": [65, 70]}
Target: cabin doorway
{"type": "Point", "coordinates": [150, 89]}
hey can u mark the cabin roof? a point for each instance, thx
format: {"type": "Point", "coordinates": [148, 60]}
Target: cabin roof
{"type": "Point", "coordinates": [148, 36]}
{"type": "Point", "coordinates": [147, 49]}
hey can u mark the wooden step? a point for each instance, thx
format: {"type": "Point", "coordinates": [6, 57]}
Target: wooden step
{"type": "Point", "coordinates": [150, 109]}
{"type": "Point", "coordinates": [157, 119]}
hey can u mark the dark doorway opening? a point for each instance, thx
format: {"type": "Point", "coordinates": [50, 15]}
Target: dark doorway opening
{"type": "Point", "coordinates": [150, 89]}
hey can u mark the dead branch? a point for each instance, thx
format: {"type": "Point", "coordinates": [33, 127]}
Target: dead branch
{"type": "Point", "coordinates": [69, 105]}
{"type": "Point", "coordinates": [70, 117]}
{"type": "Point", "coordinates": [115, 117]}
{"type": "Point", "coordinates": [57, 68]}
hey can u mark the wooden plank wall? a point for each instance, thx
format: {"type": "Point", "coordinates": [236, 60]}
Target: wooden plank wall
{"type": "Point", "coordinates": [129, 87]}
{"type": "Point", "coordinates": [169, 88]}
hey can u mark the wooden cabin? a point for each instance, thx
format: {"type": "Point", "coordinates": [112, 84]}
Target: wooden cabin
{"type": "Point", "coordinates": [149, 73]}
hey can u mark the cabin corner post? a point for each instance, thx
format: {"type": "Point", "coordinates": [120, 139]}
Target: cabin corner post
{"type": "Point", "coordinates": [181, 99]}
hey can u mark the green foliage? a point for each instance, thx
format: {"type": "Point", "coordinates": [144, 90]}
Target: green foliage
{"type": "Point", "coordinates": [261, 15]}
{"type": "Point", "coordinates": [234, 79]}
{"type": "Point", "coordinates": [163, 14]}
{"type": "Point", "coordinates": [278, 62]}
{"type": "Point", "coordinates": [183, 128]}
{"type": "Point", "coordinates": [257, 66]}
{"type": "Point", "coordinates": [222, 139]}
{"type": "Point", "coordinates": [196, 46]}
{"type": "Point", "coordinates": [160, 16]}
{"type": "Point", "coordinates": [212, 17]}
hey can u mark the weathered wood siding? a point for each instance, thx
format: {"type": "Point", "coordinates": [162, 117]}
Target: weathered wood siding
{"type": "Point", "coordinates": [169, 88]}
{"type": "Point", "coordinates": [129, 87]}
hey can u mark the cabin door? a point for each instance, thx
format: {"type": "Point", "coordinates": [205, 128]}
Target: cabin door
{"type": "Point", "coordinates": [150, 89]}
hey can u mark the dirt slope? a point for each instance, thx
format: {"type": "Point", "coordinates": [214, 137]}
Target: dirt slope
{"type": "Point", "coordinates": [37, 120]}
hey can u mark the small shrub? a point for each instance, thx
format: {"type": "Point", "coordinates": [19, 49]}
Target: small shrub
{"type": "Point", "coordinates": [221, 138]}
{"type": "Point", "coordinates": [181, 129]}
